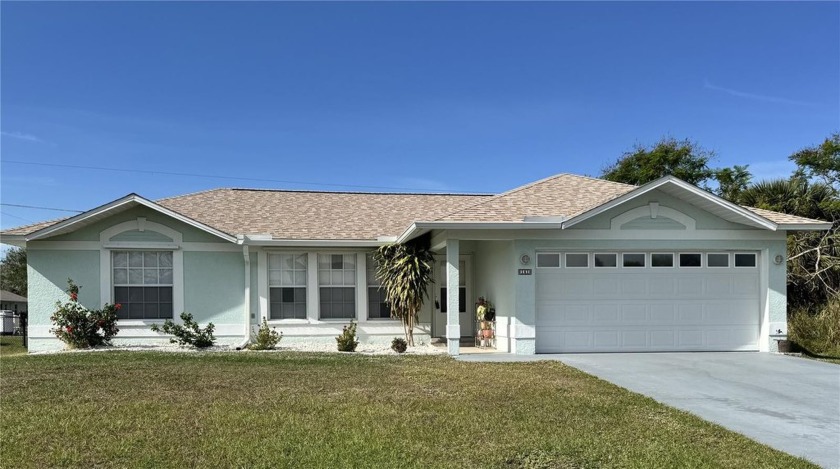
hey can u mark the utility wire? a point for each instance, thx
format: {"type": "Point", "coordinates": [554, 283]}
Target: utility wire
{"type": "Point", "coordinates": [15, 216]}
{"type": "Point", "coordinates": [211, 176]}
{"type": "Point", "coordinates": [43, 208]}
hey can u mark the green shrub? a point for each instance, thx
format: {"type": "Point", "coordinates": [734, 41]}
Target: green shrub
{"type": "Point", "coordinates": [79, 327]}
{"type": "Point", "coordinates": [818, 333]}
{"type": "Point", "coordinates": [347, 340]}
{"type": "Point", "coordinates": [399, 345]}
{"type": "Point", "coordinates": [188, 333]}
{"type": "Point", "coordinates": [266, 338]}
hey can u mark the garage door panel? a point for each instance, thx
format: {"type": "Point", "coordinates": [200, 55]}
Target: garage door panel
{"type": "Point", "coordinates": [646, 309]}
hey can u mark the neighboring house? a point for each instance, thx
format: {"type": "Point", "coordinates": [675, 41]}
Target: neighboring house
{"type": "Point", "coordinates": [571, 263]}
{"type": "Point", "coordinates": [12, 301]}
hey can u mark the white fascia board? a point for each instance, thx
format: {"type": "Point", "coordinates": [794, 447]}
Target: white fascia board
{"type": "Point", "coordinates": [316, 243]}
{"type": "Point", "coordinates": [805, 226]}
{"type": "Point", "coordinates": [419, 228]}
{"type": "Point", "coordinates": [13, 240]}
{"type": "Point", "coordinates": [679, 183]}
{"type": "Point", "coordinates": [129, 199]}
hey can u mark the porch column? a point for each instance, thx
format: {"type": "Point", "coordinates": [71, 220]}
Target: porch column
{"type": "Point", "coordinates": [453, 328]}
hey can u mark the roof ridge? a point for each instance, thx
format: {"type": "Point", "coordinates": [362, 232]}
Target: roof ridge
{"type": "Point", "coordinates": [193, 193]}
{"type": "Point", "coordinates": [508, 192]}
{"type": "Point", "coordinates": [313, 191]}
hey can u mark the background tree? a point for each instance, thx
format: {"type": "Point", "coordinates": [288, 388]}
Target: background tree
{"type": "Point", "coordinates": [683, 159]}
{"type": "Point", "coordinates": [821, 161]}
{"type": "Point", "coordinates": [13, 271]}
{"type": "Point", "coordinates": [404, 272]}
{"type": "Point", "coordinates": [679, 158]}
{"type": "Point", "coordinates": [813, 276]}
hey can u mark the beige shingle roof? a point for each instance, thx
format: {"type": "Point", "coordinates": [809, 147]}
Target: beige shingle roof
{"type": "Point", "coordinates": [564, 195]}
{"type": "Point", "coordinates": [781, 218]}
{"type": "Point", "coordinates": [368, 216]}
{"type": "Point", "coordinates": [9, 296]}
{"type": "Point", "coordinates": [314, 215]}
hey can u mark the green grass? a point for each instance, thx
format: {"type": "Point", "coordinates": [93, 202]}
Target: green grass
{"type": "Point", "coordinates": [11, 345]}
{"type": "Point", "coordinates": [144, 409]}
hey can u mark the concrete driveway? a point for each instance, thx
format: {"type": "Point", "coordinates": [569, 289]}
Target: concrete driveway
{"type": "Point", "coordinates": [789, 403]}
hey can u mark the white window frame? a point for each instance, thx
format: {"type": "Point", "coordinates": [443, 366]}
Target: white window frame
{"type": "Point", "coordinates": [729, 261]}
{"type": "Point", "coordinates": [596, 266]}
{"type": "Point", "coordinates": [673, 261]}
{"type": "Point", "coordinates": [269, 286]}
{"type": "Point", "coordinates": [106, 283]}
{"type": "Point", "coordinates": [559, 260]}
{"type": "Point", "coordinates": [355, 285]}
{"type": "Point", "coordinates": [370, 284]}
{"type": "Point", "coordinates": [644, 256]}
{"type": "Point", "coordinates": [679, 263]}
{"type": "Point", "coordinates": [128, 284]}
{"type": "Point", "coordinates": [566, 260]}
{"type": "Point", "coordinates": [736, 254]}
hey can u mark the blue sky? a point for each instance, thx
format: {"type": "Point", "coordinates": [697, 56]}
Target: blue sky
{"type": "Point", "coordinates": [415, 96]}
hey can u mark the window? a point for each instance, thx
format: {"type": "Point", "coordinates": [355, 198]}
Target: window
{"type": "Point", "coordinates": [142, 284]}
{"type": "Point", "coordinates": [548, 259]}
{"type": "Point", "coordinates": [377, 307]}
{"type": "Point", "coordinates": [633, 259]}
{"type": "Point", "coordinates": [606, 260]}
{"type": "Point", "coordinates": [287, 286]}
{"type": "Point", "coordinates": [577, 259]}
{"type": "Point", "coordinates": [691, 260]}
{"type": "Point", "coordinates": [745, 260]}
{"type": "Point", "coordinates": [715, 259]}
{"type": "Point", "coordinates": [337, 285]}
{"type": "Point", "coordinates": [661, 259]}
{"type": "Point", "coordinates": [462, 287]}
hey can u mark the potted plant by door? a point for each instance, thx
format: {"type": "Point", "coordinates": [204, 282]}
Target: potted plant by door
{"type": "Point", "coordinates": [484, 316]}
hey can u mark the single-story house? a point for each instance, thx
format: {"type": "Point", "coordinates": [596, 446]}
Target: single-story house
{"type": "Point", "coordinates": [570, 263]}
{"type": "Point", "coordinates": [12, 302]}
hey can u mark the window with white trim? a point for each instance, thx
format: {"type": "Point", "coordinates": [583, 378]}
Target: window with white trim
{"type": "Point", "coordinates": [377, 307]}
{"type": "Point", "coordinates": [745, 259]}
{"type": "Point", "coordinates": [717, 259]}
{"type": "Point", "coordinates": [337, 285]}
{"type": "Point", "coordinates": [691, 259]}
{"type": "Point", "coordinates": [661, 259]}
{"type": "Point", "coordinates": [633, 259]}
{"type": "Point", "coordinates": [577, 259]}
{"type": "Point", "coordinates": [608, 259]}
{"type": "Point", "coordinates": [287, 286]}
{"type": "Point", "coordinates": [548, 259]}
{"type": "Point", "coordinates": [142, 282]}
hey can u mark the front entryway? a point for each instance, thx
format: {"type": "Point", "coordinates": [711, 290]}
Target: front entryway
{"type": "Point", "coordinates": [439, 295]}
{"type": "Point", "coordinates": [639, 301]}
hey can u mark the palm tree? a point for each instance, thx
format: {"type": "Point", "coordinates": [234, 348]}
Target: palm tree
{"type": "Point", "coordinates": [813, 257]}
{"type": "Point", "coordinates": [404, 271]}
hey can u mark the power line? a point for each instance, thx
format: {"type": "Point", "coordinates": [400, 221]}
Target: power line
{"type": "Point", "coordinates": [15, 216]}
{"type": "Point", "coordinates": [43, 208]}
{"type": "Point", "coordinates": [212, 176]}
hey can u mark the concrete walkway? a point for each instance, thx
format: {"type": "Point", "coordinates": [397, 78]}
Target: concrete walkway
{"type": "Point", "coordinates": [789, 403]}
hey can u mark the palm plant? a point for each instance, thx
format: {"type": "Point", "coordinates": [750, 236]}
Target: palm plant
{"type": "Point", "coordinates": [814, 257]}
{"type": "Point", "coordinates": [404, 271]}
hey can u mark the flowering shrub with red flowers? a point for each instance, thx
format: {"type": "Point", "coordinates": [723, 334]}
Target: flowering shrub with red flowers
{"type": "Point", "coordinates": [79, 327]}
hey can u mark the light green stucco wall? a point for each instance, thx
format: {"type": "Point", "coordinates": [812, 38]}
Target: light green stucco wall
{"type": "Point", "coordinates": [214, 286]}
{"type": "Point", "coordinates": [705, 220]}
{"type": "Point", "coordinates": [91, 232]}
{"type": "Point", "coordinates": [142, 236]}
{"type": "Point", "coordinates": [494, 273]}
{"type": "Point", "coordinates": [47, 275]}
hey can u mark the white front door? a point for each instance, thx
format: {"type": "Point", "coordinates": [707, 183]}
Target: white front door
{"type": "Point", "coordinates": [464, 304]}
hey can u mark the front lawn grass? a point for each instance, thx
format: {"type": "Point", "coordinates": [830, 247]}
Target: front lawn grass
{"type": "Point", "coordinates": [251, 409]}
{"type": "Point", "coordinates": [11, 345]}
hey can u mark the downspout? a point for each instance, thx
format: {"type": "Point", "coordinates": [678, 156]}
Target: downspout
{"type": "Point", "coordinates": [247, 312]}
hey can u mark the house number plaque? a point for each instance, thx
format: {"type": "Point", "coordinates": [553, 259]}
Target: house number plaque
{"type": "Point", "coordinates": [524, 272]}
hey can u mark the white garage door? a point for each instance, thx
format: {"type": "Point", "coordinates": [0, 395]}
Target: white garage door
{"type": "Point", "coordinates": [647, 301]}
